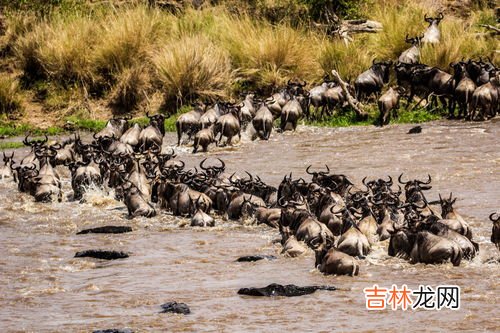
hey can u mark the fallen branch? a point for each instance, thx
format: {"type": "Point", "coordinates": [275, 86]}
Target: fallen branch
{"type": "Point", "coordinates": [490, 27]}
{"type": "Point", "coordinates": [353, 102]}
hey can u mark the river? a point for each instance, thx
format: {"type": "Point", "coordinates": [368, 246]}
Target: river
{"type": "Point", "coordinates": [45, 289]}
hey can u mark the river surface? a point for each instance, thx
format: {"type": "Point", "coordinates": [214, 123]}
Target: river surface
{"type": "Point", "coordinates": [45, 289]}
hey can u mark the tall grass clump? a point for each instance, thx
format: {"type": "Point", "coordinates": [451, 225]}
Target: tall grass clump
{"type": "Point", "coordinates": [16, 25]}
{"type": "Point", "coordinates": [26, 50]}
{"type": "Point", "coordinates": [191, 68]}
{"type": "Point", "coordinates": [10, 97]}
{"type": "Point", "coordinates": [131, 89]}
{"type": "Point", "coordinates": [348, 60]}
{"type": "Point", "coordinates": [458, 40]}
{"type": "Point", "coordinates": [398, 20]}
{"type": "Point", "coordinates": [64, 55]}
{"type": "Point", "coordinates": [128, 37]}
{"type": "Point", "coordinates": [268, 55]}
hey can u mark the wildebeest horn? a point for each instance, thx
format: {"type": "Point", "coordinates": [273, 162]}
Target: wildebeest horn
{"type": "Point", "coordinates": [223, 165]}
{"type": "Point", "coordinates": [201, 165]}
{"type": "Point", "coordinates": [389, 182]}
{"type": "Point", "coordinates": [425, 17]}
{"type": "Point", "coordinates": [303, 84]}
{"type": "Point", "coordinates": [307, 170]}
{"type": "Point", "coordinates": [406, 39]}
{"type": "Point", "coordinates": [26, 142]}
{"type": "Point", "coordinates": [493, 219]}
{"type": "Point", "coordinates": [331, 210]}
{"type": "Point", "coordinates": [427, 182]}
{"type": "Point", "coordinates": [364, 183]}
{"type": "Point", "coordinates": [282, 202]}
{"type": "Point", "coordinates": [440, 15]}
{"type": "Point", "coordinates": [251, 177]}
{"type": "Point", "coordinates": [401, 181]}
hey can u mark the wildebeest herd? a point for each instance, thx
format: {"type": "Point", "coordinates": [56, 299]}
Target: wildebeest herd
{"type": "Point", "coordinates": [473, 89]}
{"type": "Point", "coordinates": [328, 214]}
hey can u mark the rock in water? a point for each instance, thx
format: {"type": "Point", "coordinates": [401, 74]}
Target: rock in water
{"type": "Point", "coordinates": [289, 290]}
{"type": "Point", "coordinates": [109, 229]}
{"type": "Point", "coordinates": [114, 330]}
{"type": "Point", "coordinates": [175, 307]}
{"type": "Point", "coordinates": [255, 258]}
{"type": "Point", "coordinates": [415, 130]}
{"type": "Point", "coordinates": [102, 254]}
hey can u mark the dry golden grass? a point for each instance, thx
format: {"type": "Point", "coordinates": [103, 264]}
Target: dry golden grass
{"type": "Point", "coordinates": [131, 89]}
{"type": "Point", "coordinates": [193, 67]}
{"type": "Point", "coordinates": [10, 98]}
{"type": "Point", "coordinates": [211, 52]}
{"type": "Point", "coordinates": [64, 55]}
{"type": "Point", "coordinates": [126, 38]}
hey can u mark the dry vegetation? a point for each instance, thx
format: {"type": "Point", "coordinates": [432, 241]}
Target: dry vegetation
{"type": "Point", "coordinates": [121, 55]}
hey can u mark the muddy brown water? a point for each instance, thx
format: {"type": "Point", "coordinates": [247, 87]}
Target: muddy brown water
{"type": "Point", "coordinates": [45, 289]}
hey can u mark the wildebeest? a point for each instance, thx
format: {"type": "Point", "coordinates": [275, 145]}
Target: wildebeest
{"type": "Point", "coordinates": [372, 80]}
{"type": "Point", "coordinates": [6, 170]}
{"type": "Point", "coordinates": [388, 102]}
{"type": "Point", "coordinates": [486, 100]}
{"type": "Point", "coordinates": [432, 35]}
{"type": "Point", "coordinates": [432, 249]}
{"type": "Point", "coordinates": [437, 82]}
{"type": "Point", "coordinates": [329, 260]}
{"type": "Point", "coordinates": [412, 54]}
{"type": "Point", "coordinates": [464, 88]}
{"type": "Point", "coordinates": [317, 96]}
{"type": "Point", "coordinates": [204, 138]}
{"type": "Point", "coordinates": [115, 127]}
{"type": "Point", "coordinates": [229, 125]}
{"type": "Point", "coordinates": [495, 230]}
{"type": "Point", "coordinates": [188, 123]}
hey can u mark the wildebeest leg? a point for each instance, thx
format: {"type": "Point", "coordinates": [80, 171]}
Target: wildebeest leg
{"type": "Point", "coordinates": [179, 133]}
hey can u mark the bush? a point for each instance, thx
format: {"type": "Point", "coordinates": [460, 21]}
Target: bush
{"type": "Point", "coordinates": [64, 55]}
{"type": "Point", "coordinates": [192, 68]}
{"type": "Point", "coordinates": [127, 37]}
{"type": "Point", "coordinates": [10, 98]}
{"type": "Point", "coordinates": [268, 56]}
{"type": "Point", "coordinates": [131, 89]}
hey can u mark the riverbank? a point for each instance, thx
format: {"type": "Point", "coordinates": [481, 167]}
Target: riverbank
{"type": "Point", "coordinates": [89, 61]}
{"type": "Point", "coordinates": [70, 124]}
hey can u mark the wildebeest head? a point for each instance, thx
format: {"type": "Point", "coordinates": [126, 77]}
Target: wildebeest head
{"type": "Point", "coordinates": [382, 68]}
{"type": "Point", "coordinates": [414, 40]}
{"type": "Point", "coordinates": [35, 144]}
{"type": "Point", "coordinates": [8, 159]}
{"type": "Point", "coordinates": [434, 20]}
{"type": "Point", "coordinates": [157, 120]}
{"type": "Point", "coordinates": [447, 204]}
{"type": "Point", "coordinates": [213, 171]}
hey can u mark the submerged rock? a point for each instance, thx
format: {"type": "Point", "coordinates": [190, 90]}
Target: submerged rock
{"type": "Point", "coordinates": [255, 258]}
{"type": "Point", "coordinates": [415, 130]}
{"type": "Point", "coordinates": [102, 254]}
{"type": "Point", "coordinates": [109, 229]}
{"type": "Point", "coordinates": [289, 290]}
{"type": "Point", "coordinates": [175, 307]}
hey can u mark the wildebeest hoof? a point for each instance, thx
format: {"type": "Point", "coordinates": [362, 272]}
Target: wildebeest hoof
{"type": "Point", "coordinates": [255, 258]}
{"type": "Point", "coordinates": [102, 254]}
{"type": "Point", "coordinates": [114, 330]}
{"type": "Point", "coordinates": [415, 130]}
{"type": "Point", "coordinates": [109, 229]}
{"type": "Point", "coordinates": [175, 307]}
{"type": "Point", "coordinates": [289, 290]}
